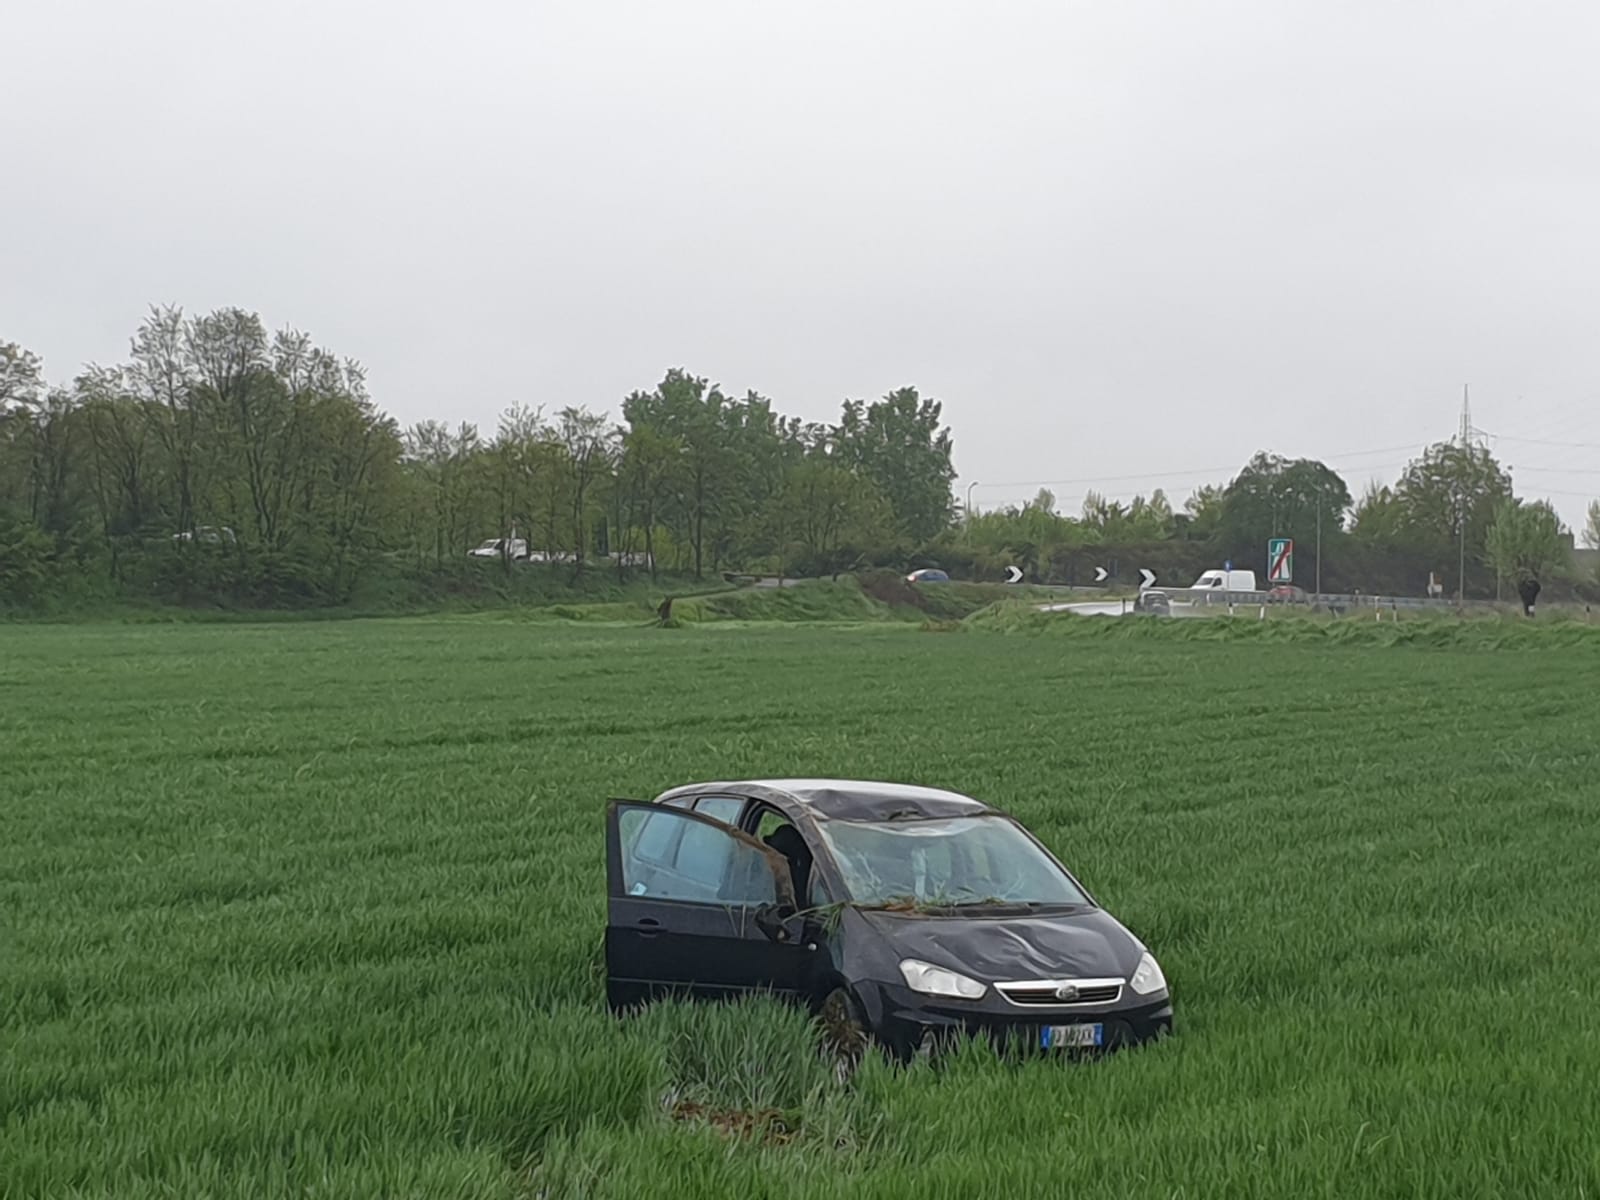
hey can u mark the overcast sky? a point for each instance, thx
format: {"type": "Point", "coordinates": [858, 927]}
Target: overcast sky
{"type": "Point", "coordinates": [1116, 239]}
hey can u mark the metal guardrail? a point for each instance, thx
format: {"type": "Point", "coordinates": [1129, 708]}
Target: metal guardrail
{"type": "Point", "coordinates": [1208, 598]}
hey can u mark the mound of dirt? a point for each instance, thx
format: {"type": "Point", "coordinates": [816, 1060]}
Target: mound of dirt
{"type": "Point", "coordinates": [891, 588]}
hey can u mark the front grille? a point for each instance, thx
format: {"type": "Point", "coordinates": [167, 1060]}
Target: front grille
{"type": "Point", "coordinates": [1046, 992]}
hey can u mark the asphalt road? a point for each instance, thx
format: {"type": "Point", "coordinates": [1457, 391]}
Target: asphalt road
{"type": "Point", "coordinates": [1089, 608]}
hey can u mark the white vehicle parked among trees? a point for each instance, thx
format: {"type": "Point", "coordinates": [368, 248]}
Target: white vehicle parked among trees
{"type": "Point", "coordinates": [515, 548]}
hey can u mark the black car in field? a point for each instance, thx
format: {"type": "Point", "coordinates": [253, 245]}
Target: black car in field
{"type": "Point", "coordinates": [895, 912]}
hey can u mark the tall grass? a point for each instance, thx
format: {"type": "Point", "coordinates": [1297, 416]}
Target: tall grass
{"type": "Point", "coordinates": [316, 910]}
{"type": "Point", "coordinates": [1366, 628]}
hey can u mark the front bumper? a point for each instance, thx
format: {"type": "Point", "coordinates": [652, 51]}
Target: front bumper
{"type": "Point", "coordinates": [908, 1021]}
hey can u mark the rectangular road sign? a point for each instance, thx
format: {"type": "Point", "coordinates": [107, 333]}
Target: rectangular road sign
{"type": "Point", "coordinates": [1280, 560]}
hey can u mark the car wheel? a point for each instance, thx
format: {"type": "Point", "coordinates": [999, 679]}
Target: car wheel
{"type": "Point", "coordinates": [845, 1035]}
{"type": "Point", "coordinates": [624, 997]}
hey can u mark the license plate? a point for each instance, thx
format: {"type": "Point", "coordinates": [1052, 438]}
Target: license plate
{"type": "Point", "coordinates": [1056, 1037]}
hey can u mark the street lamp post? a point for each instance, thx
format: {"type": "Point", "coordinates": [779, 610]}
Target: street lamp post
{"type": "Point", "coordinates": [1319, 542]}
{"type": "Point", "coordinates": [970, 486]}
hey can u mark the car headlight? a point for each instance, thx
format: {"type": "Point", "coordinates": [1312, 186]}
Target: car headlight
{"type": "Point", "coordinates": [937, 981]}
{"type": "Point", "coordinates": [1147, 977]}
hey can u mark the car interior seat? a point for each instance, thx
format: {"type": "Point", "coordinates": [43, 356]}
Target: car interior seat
{"type": "Point", "coordinates": [786, 840]}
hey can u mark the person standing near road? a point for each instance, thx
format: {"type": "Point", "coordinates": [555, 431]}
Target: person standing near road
{"type": "Point", "coordinates": [1528, 589]}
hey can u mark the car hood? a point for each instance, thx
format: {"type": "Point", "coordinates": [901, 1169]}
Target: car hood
{"type": "Point", "coordinates": [1080, 945]}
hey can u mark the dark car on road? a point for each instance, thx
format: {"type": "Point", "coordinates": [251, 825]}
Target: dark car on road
{"type": "Point", "coordinates": [1152, 601]}
{"type": "Point", "coordinates": [898, 914]}
{"type": "Point", "coordinates": [928, 575]}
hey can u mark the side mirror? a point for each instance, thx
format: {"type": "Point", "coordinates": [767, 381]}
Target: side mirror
{"type": "Point", "coordinates": [773, 920]}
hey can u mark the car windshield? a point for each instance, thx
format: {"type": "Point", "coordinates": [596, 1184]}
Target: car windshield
{"type": "Point", "coordinates": [950, 862]}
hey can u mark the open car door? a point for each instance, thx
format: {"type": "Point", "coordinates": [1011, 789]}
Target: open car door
{"type": "Point", "coordinates": [694, 905]}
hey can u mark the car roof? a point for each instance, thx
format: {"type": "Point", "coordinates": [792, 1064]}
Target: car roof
{"type": "Point", "coordinates": [842, 799]}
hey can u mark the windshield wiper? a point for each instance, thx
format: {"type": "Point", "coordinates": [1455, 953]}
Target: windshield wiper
{"type": "Point", "coordinates": [907, 904]}
{"type": "Point", "coordinates": [931, 904]}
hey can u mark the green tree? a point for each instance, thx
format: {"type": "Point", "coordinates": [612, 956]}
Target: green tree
{"type": "Point", "coordinates": [551, 498]}
{"type": "Point", "coordinates": [1525, 541]}
{"type": "Point", "coordinates": [21, 379]}
{"type": "Point", "coordinates": [650, 462]}
{"type": "Point", "coordinates": [26, 562]}
{"type": "Point", "coordinates": [446, 506]}
{"type": "Point", "coordinates": [586, 440]}
{"type": "Point", "coordinates": [334, 454]}
{"type": "Point", "coordinates": [37, 427]}
{"type": "Point", "coordinates": [831, 514]}
{"type": "Point", "coordinates": [274, 413]}
{"type": "Point", "coordinates": [519, 458]}
{"type": "Point", "coordinates": [899, 444]}
{"type": "Point", "coordinates": [686, 411]}
{"type": "Point", "coordinates": [243, 419]}
{"type": "Point", "coordinates": [215, 421]}
{"type": "Point", "coordinates": [1037, 534]}
{"type": "Point", "coordinates": [52, 434]}
{"type": "Point", "coordinates": [1280, 497]}
{"type": "Point", "coordinates": [1203, 511]}
{"type": "Point", "coordinates": [1379, 519]}
{"type": "Point", "coordinates": [1591, 531]}
{"type": "Point", "coordinates": [1105, 519]}
{"type": "Point", "coordinates": [761, 446]}
{"type": "Point", "coordinates": [1450, 496]}
{"type": "Point", "coordinates": [123, 465]}
{"type": "Point", "coordinates": [162, 376]}
{"type": "Point", "coordinates": [1150, 520]}
{"type": "Point", "coordinates": [1031, 537]}
{"type": "Point", "coordinates": [21, 386]}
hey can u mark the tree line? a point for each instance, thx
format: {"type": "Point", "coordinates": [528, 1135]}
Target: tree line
{"type": "Point", "coordinates": [222, 462]}
{"type": "Point", "coordinates": [1451, 519]}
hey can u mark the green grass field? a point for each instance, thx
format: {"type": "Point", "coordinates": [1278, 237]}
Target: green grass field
{"type": "Point", "coordinates": [315, 910]}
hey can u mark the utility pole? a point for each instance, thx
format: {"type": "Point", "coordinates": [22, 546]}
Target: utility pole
{"type": "Point", "coordinates": [1467, 432]}
{"type": "Point", "coordinates": [1320, 496]}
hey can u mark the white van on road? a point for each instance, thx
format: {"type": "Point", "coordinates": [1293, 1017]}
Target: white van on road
{"type": "Point", "coordinates": [1225, 581]}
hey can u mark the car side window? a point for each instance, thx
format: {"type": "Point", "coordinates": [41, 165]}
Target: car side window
{"type": "Point", "coordinates": [771, 819]}
{"type": "Point", "coordinates": [702, 852]}
{"type": "Point", "coordinates": [777, 831]}
{"type": "Point", "coordinates": [651, 835]}
{"type": "Point", "coordinates": [697, 862]}
{"type": "Point", "coordinates": [720, 808]}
